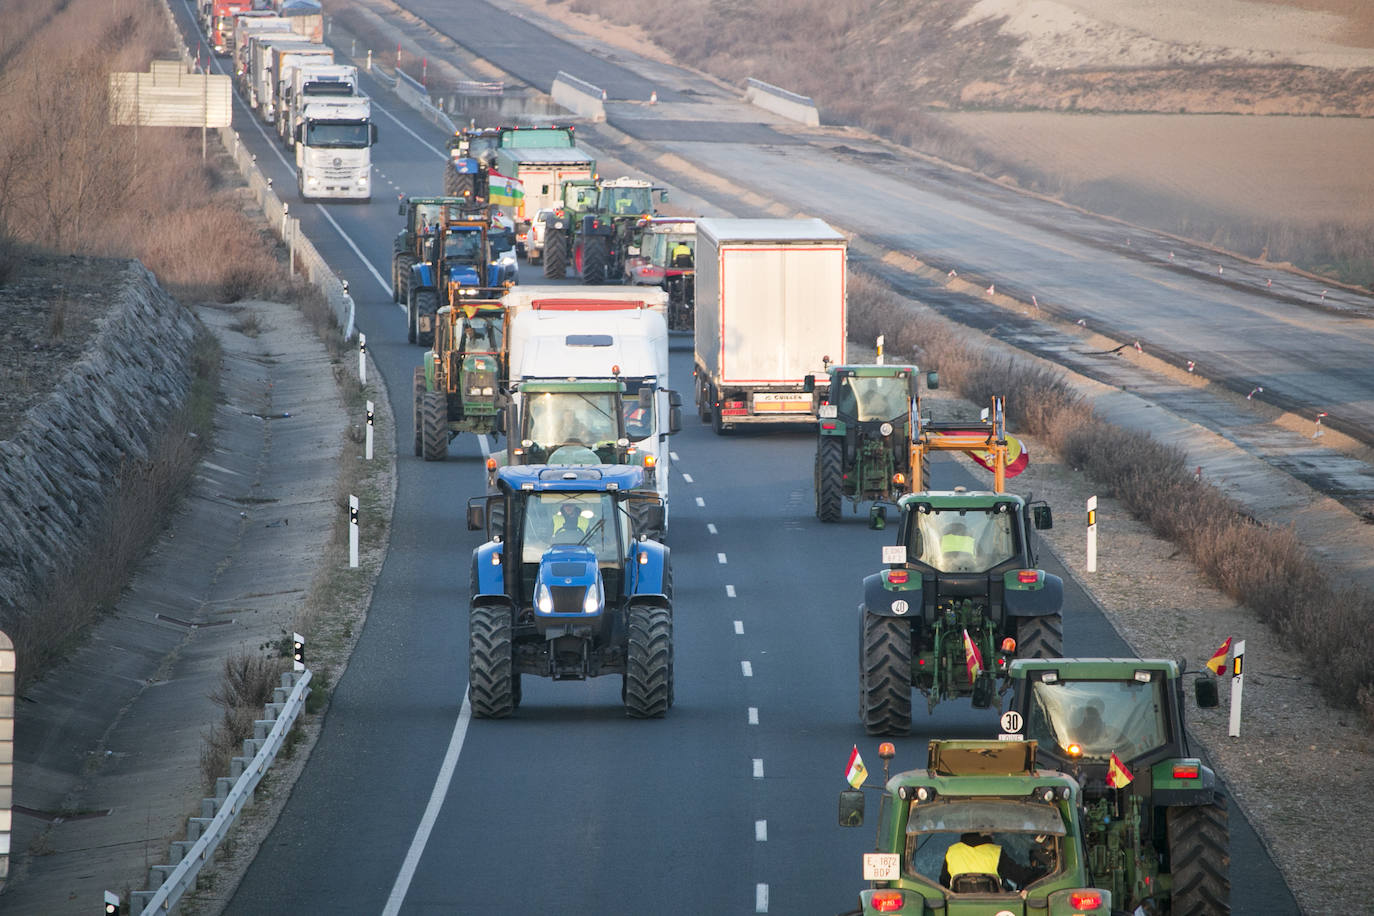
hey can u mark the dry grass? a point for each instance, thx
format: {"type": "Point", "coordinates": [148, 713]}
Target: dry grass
{"type": "Point", "coordinates": [247, 686]}
{"type": "Point", "coordinates": [1263, 567]}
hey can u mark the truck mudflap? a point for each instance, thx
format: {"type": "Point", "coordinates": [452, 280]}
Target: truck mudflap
{"type": "Point", "coordinates": [1032, 599]}
{"type": "Point", "coordinates": [888, 599]}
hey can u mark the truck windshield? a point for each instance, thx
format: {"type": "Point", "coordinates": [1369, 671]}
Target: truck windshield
{"type": "Point", "coordinates": [327, 87]}
{"type": "Point", "coordinates": [1101, 718]}
{"type": "Point", "coordinates": [338, 134]}
{"type": "Point", "coordinates": [961, 540]}
{"type": "Point", "coordinates": [1016, 825]}
{"type": "Point", "coordinates": [554, 418]}
{"type": "Point", "coordinates": [572, 518]}
{"type": "Point", "coordinates": [872, 399]}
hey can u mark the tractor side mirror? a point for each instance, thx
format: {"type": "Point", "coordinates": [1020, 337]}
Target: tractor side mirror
{"type": "Point", "coordinates": [400, 205]}
{"type": "Point", "coordinates": [932, 380]}
{"type": "Point", "coordinates": [1206, 693]}
{"type": "Point", "coordinates": [852, 808]}
{"type": "Point", "coordinates": [374, 133]}
{"type": "Point", "coordinates": [646, 397]}
{"type": "Point", "coordinates": [1042, 517]}
{"type": "Point", "coordinates": [809, 383]}
{"type": "Point", "coordinates": [300, 133]}
{"type": "Point", "coordinates": [653, 518]}
{"type": "Point", "coordinates": [663, 196]}
{"type": "Point", "coordinates": [477, 513]}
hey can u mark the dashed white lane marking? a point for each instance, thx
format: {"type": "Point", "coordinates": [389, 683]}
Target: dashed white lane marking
{"type": "Point", "coordinates": [758, 767]}
{"type": "Point", "coordinates": [687, 477]}
{"type": "Point", "coordinates": [747, 668]}
{"type": "Point", "coordinates": [761, 831]}
{"type": "Point", "coordinates": [753, 715]}
{"type": "Point", "coordinates": [739, 627]}
{"type": "Point", "coordinates": [720, 558]}
{"type": "Point", "coordinates": [711, 528]}
{"type": "Point", "coordinates": [729, 590]}
{"type": "Point", "coordinates": [700, 501]}
{"type": "Point", "coordinates": [672, 455]}
{"type": "Point", "coordinates": [760, 898]}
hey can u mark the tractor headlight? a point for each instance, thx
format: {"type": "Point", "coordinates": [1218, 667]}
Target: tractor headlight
{"type": "Point", "coordinates": [474, 391]}
{"type": "Point", "coordinates": [543, 599]}
{"type": "Point", "coordinates": [592, 603]}
{"type": "Point", "coordinates": [487, 391]}
{"type": "Point", "coordinates": [885, 429]}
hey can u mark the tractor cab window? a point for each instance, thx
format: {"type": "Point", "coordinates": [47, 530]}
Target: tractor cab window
{"type": "Point", "coordinates": [961, 540]}
{"type": "Point", "coordinates": [1030, 833]}
{"type": "Point", "coordinates": [479, 334]}
{"type": "Point", "coordinates": [464, 246]}
{"type": "Point", "coordinates": [426, 218]}
{"type": "Point", "coordinates": [873, 399]}
{"type": "Point", "coordinates": [501, 241]}
{"type": "Point", "coordinates": [585, 519]}
{"type": "Point", "coordinates": [1094, 719]}
{"type": "Point", "coordinates": [621, 201]}
{"type": "Point", "coordinates": [583, 197]}
{"type": "Point", "coordinates": [571, 418]}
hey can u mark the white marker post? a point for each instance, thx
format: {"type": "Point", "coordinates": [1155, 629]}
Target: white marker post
{"type": "Point", "coordinates": [1092, 534]}
{"type": "Point", "coordinates": [368, 452]}
{"type": "Point", "coordinates": [297, 652]}
{"type": "Point", "coordinates": [6, 750]}
{"type": "Point", "coordinates": [1237, 682]}
{"type": "Point", "coordinates": [879, 358]}
{"type": "Point", "coordinates": [362, 358]}
{"type": "Point", "coordinates": [352, 532]}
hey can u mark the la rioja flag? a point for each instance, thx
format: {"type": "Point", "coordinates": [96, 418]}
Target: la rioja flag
{"type": "Point", "coordinates": [856, 772]}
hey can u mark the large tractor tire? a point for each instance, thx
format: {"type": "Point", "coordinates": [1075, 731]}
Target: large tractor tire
{"type": "Point", "coordinates": [457, 184]}
{"type": "Point", "coordinates": [491, 666]}
{"type": "Point", "coordinates": [411, 327]}
{"type": "Point", "coordinates": [829, 478]}
{"type": "Point", "coordinates": [434, 425]}
{"type": "Point", "coordinates": [401, 276]}
{"type": "Point", "coordinates": [426, 303]}
{"type": "Point", "coordinates": [1040, 637]}
{"type": "Point", "coordinates": [418, 393]}
{"type": "Point", "coordinates": [555, 254]}
{"type": "Point", "coordinates": [886, 675]}
{"type": "Point", "coordinates": [1199, 855]}
{"type": "Point", "coordinates": [649, 662]}
{"type": "Point", "coordinates": [596, 254]}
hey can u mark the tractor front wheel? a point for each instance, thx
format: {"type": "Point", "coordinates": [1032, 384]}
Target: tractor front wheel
{"type": "Point", "coordinates": [596, 253]}
{"type": "Point", "coordinates": [555, 254]}
{"type": "Point", "coordinates": [1040, 637]}
{"type": "Point", "coordinates": [649, 662]}
{"type": "Point", "coordinates": [491, 675]}
{"type": "Point", "coordinates": [829, 478]}
{"type": "Point", "coordinates": [886, 675]}
{"type": "Point", "coordinates": [1199, 856]}
{"type": "Point", "coordinates": [403, 262]}
{"type": "Point", "coordinates": [417, 413]}
{"type": "Point", "coordinates": [434, 423]}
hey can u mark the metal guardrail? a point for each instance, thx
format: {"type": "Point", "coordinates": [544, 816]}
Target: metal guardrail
{"type": "Point", "coordinates": [229, 799]}
{"type": "Point", "coordinates": [478, 87]}
{"type": "Point", "coordinates": [413, 93]}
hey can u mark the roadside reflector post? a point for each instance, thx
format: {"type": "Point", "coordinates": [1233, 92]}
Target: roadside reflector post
{"type": "Point", "coordinates": [1237, 683]}
{"type": "Point", "coordinates": [353, 532]}
{"type": "Point", "coordinates": [297, 652]}
{"type": "Point", "coordinates": [879, 358]}
{"type": "Point", "coordinates": [7, 669]}
{"type": "Point", "coordinates": [112, 907]}
{"type": "Point", "coordinates": [368, 452]}
{"type": "Point", "coordinates": [1092, 534]}
{"type": "Point", "coordinates": [362, 358]}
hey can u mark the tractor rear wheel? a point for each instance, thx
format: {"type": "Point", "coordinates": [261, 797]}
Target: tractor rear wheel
{"type": "Point", "coordinates": [491, 674]}
{"type": "Point", "coordinates": [1199, 844]}
{"type": "Point", "coordinates": [649, 662]}
{"type": "Point", "coordinates": [426, 303]}
{"type": "Point", "coordinates": [886, 675]}
{"type": "Point", "coordinates": [596, 253]}
{"type": "Point", "coordinates": [457, 184]}
{"type": "Point", "coordinates": [403, 264]}
{"type": "Point", "coordinates": [829, 478]}
{"type": "Point", "coordinates": [555, 254]}
{"type": "Point", "coordinates": [418, 392]}
{"type": "Point", "coordinates": [1040, 637]}
{"type": "Point", "coordinates": [411, 325]}
{"type": "Point", "coordinates": [434, 424]}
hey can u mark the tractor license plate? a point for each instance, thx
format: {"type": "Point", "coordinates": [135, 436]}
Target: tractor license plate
{"type": "Point", "coordinates": [782, 402]}
{"type": "Point", "coordinates": [882, 866]}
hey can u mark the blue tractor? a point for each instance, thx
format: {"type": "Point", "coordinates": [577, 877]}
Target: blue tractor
{"type": "Point", "coordinates": [460, 263]}
{"type": "Point", "coordinates": [564, 590]}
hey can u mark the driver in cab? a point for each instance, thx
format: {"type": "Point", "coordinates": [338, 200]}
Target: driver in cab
{"type": "Point", "coordinates": [571, 523]}
{"type": "Point", "coordinates": [981, 862]}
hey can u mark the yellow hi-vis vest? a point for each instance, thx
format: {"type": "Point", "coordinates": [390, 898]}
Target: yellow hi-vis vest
{"type": "Point", "coordinates": [957, 543]}
{"type": "Point", "coordinates": [963, 859]}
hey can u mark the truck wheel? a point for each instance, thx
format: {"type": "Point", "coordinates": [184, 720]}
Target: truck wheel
{"type": "Point", "coordinates": [401, 287]}
{"type": "Point", "coordinates": [555, 254]}
{"type": "Point", "coordinates": [426, 303]}
{"type": "Point", "coordinates": [418, 390]}
{"type": "Point", "coordinates": [1199, 855]}
{"type": "Point", "coordinates": [886, 675]}
{"type": "Point", "coordinates": [491, 675]}
{"type": "Point", "coordinates": [649, 662]}
{"type": "Point", "coordinates": [718, 421]}
{"type": "Point", "coordinates": [434, 423]}
{"type": "Point", "coordinates": [829, 478]}
{"type": "Point", "coordinates": [1040, 637]}
{"type": "Point", "coordinates": [595, 257]}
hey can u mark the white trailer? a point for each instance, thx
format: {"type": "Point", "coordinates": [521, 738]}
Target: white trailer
{"type": "Point", "coordinates": [253, 81]}
{"type": "Point", "coordinates": [334, 150]}
{"type": "Point", "coordinates": [541, 172]}
{"type": "Point", "coordinates": [770, 309]}
{"type": "Point", "coordinates": [267, 65]}
{"type": "Point", "coordinates": [285, 63]}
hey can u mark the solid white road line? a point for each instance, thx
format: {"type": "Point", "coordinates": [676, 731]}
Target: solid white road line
{"type": "Point", "coordinates": [436, 802]}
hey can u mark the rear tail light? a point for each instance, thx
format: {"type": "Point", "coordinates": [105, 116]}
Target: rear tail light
{"type": "Point", "coordinates": [1185, 771]}
{"type": "Point", "coordinates": [827, 425]}
{"type": "Point", "coordinates": [887, 901]}
{"type": "Point", "coordinates": [1028, 576]}
{"type": "Point", "coordinates": [897, 576]}
{"type": "Point", "coordinates": [1085, 900]}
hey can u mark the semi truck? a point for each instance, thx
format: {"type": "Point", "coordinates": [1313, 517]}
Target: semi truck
{"type": "Point", "coordinates": [313, 82]}
{"type": "Point", "coordinates": [219, 22]}
{"type": "Point", "coordinates": [770, 310]}
{"type": "Point", "coordinates": [334, 150]}
{"type": "Point", "coordinates": [284, 59]}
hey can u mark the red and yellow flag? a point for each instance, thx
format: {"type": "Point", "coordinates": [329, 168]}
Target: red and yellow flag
{"type": "Point", "coordinates": [1118, 777]}
{"type": "Point", "coordinates": [972, 658]}
{"type": "Point", "coordinates": [1217, 663]}
{"type": "Point", "coordinates": [1017, 457]}
{"type": "Point", "coordinates": [855, 773]}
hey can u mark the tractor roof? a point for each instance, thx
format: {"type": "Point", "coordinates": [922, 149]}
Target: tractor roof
{"type": "Point", "coordinates": [874, 370]}
{"type": "Point", "coordinates": [594, 478]}
{"type": "Point", "coordinates": [456, 201]}
{"type": "Point", "coordinates": [983, 769]}
{"type": "Point", "coordinates": [1095, 669]}
{"type": "Point", "coordinates": [960, 499]}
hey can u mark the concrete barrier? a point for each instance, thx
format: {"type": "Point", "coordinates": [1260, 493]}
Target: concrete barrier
{"type": "Point", "coordinates": [579, 96]}
{"type": "Point", "coordinates": [781, 102]}
{"type": "Point", "coordinates": [415, 95]}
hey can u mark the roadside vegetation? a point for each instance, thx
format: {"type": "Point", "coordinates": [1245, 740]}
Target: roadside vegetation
{"type": "Point", "coordinates": [1264, 567]}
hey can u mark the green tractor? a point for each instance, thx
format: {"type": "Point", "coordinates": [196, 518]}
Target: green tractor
{"type": "Point", "coordinates": [458, 388]}
{"type": "Point", "coordinates": [868, 438]}
{"type": "Point", "coordinates": [596, 227]}
{"type": "Point", "coordinates": [1156, 822]}
{"type": "Point", "coordinates": [1033, 817]}
{"type": "Point", "coordinates": [960, 599]}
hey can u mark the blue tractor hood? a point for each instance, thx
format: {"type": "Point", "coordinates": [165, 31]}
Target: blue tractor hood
{"type": "Point", "coordinates": [568, 587]}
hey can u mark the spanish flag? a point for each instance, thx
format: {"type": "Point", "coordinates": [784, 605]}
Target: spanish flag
{"type": "Point", "coordinates": [1217, 663]}
{"type": "Point", "coordinates": [1017, 457]}
{"type": "Point", "coordinates": [1118, 777]}
{"type": "Point", "coordinates": [856, 772]}
{"type": "Point", "coordinates": [972, 658]}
